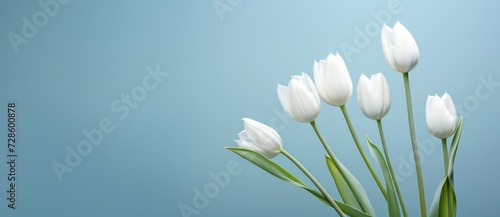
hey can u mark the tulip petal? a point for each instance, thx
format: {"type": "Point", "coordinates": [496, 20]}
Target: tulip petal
{"type": "Point", "coordinates": [448, 102]}
{"type": "Point", "coordinates": [300, 99]}
{"type": "Point", "coordinates": [428, 109]}
{"type": "Point", "coordinates": [373, 96]}
{"type": "Point", "coordinates": [302, 102]}
{"type": "Point", "coordinates": [382, 89]}
{"type": "Point", "coordinates": [247, 143]}
{"type": "Point", "coordinates": [260, 138]}
{"type": "Point", "coordinates": [440, 115]}
{"type": "Point", "coordinates": [266, 138]}
{"type": "Point", "coordinates": [386, 38]}
{"type": "Point", "coordinates": [311, 88]}
{"type": "Point", "coordinates": [400, 49]}
{"type": "Point", "coordinates": [404, 50]}
{"type": "Point", "coordinates": [333, 81]}
{"type": "Point", "coordinates": [367, 98]}
{"type": "Point", "coordinates": [284, 97]}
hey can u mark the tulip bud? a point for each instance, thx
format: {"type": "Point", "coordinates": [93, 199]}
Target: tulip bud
{"type": "Point", "coordinates": [333, 80]}
{"type": "Point", "coordinates": [400, 49]}
{"type": "Point", "coordinates": [441, 116]}
{"type": "Point", "coordinates": [260, 138]}
{"type": "Point", "coordinates": [300, 99]}
{"type": "Point", "coordinates": [374, 98]}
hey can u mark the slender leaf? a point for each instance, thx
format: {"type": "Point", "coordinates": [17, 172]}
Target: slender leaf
{"type": "Point", "coordinates": [279, 172]}
{"type": "Point", "coordinates": [448, 196]}
{"type": "Point", "coordinates": [445, 191]}
{"type": "Point", "coordinates": [343, 187]}
{"type": "Point", "coordinates": [348, 186]}
{"type": "Point", "coordinates": [392, 199]}
{"type": "Point", "coordinates": [454, 148]}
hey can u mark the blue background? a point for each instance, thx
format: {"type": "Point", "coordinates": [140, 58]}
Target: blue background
{"type": "Point", "coordinates": [224, 66]}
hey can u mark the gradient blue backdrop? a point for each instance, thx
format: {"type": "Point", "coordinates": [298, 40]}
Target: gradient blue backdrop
{"type": "Point", "coordinates": [224, 66]}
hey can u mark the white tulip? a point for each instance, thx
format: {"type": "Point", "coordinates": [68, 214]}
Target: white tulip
{"type": "Point", "coordinates": [260, 138]}
{"type": "Point", "coordinates": [374, 98]}
{"type": "Point", "coordinates": [333, 80]}
{"type": "Point", "coordinates": [441, 116]}
{"type": "Point", "coordinates": [300, 98]}
{"type": "Point", "coordinates": [400, 49]}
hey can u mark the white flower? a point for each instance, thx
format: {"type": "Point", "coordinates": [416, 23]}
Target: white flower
{"type": "Point", "coordinates": [333, 80]}
{"type": "Point", "coordinates": [400, 49]}
{"type": "Point", "coordinates": [374, 98]}
{"type": "Point", "coordinates": [260, 138]}
{"type": "Point", "coordinates": [300, 99]}
{"type": "Point", "coordinates": [441, 116]}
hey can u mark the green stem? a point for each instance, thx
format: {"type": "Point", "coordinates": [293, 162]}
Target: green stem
{"type": "Point", "coordinates": [314, 181]}
{"type": "Point", "coordinates": [360, 149]}
{"type": "Point", "coordinates": [446, 162]}
{"type": "Point", "coordinates": [323, 141]}
{"type": "Point", "coordinates": [445, 156]}
{"type": "Point", "coordinates": [393, 174]}
{"type": "Point", "coordinates": [415, 146]}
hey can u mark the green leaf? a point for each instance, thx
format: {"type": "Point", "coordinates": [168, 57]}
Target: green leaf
{"type": "Point", "coordinates": [392, 199]}
{"type": "Point", "coordinates": [343, 187]}
{"type": "Point", "coordinates": [445, 193]}
{"type": "Point", "coordinates": [279, 172]}
{"type": "Point", "coordinates": [350, 189]}
{"type": "Point", "coordinates": [454, 148]}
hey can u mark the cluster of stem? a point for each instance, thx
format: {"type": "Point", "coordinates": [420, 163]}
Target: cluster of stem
{"type": "Point", "coordinates": [367, 162]}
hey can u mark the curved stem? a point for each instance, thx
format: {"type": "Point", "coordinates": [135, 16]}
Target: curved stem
{"type": "Point", "coordinates": [393, 174]}
{"type": "Point", "coordinates": [415, 146]}
{"type": "Point", "coordinates": [323, 141]}
{"type": "Point", "coordinates": [314, 181]}
{"type": "Point", "coordinates": [360, 149]}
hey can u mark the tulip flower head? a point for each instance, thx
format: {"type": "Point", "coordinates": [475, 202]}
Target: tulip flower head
{"type": "Point", "coordinates": [333, 80]}
{"type": "Point", "coordinates": [400, 49]}
{"type": "Point", "coordinates": [373, 96]}
{"type": "Point", "coordinates": [260, 138]}
{"type": "Point", "coordinates": [441, 116]}
{"type": "Point", "coordinates": [300, 98]}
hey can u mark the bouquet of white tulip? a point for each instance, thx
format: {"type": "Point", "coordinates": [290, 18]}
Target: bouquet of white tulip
{"type": "Point", "coordinates": [259, 143]}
